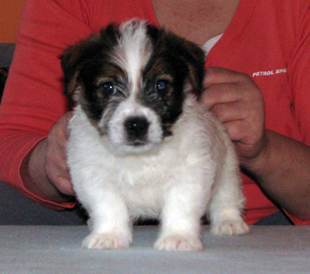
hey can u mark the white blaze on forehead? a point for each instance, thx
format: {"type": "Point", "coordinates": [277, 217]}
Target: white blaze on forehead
{"type": "Point", "coordinates": [133, 52]}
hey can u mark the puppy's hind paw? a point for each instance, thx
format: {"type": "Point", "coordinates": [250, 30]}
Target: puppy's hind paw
{"type": "Point", "coordinates": [106, 241]}
{"type": "Point", "coordinates": [230, 227]}
{"type": "Point", "coordinates": [179, 243]}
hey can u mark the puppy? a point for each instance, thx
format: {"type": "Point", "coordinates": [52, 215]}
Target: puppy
{"type": "Point", "coordinates": [140, 143]}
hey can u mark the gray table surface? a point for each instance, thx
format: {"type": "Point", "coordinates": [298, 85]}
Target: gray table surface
{"type": "Point", "coordinates": [51, 249]}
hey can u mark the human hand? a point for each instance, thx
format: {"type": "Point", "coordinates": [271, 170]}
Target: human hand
{"type": "Point", "coordinates": [56, 167]}
{"type": "Point", "coordinates": [238, 103]}
{"type": "Point", "coordinates": [275, 160]}
{"type": "Point", "coordinates": [45, 171]}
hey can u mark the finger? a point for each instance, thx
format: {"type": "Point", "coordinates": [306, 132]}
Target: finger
{"type": "Point", "coordinates": [245, 146]}
{"type": "Point", "coordinates": [230, 111]}
{"type": "Point", "coordinates": [221, 93]}
{"type": "Point", "coordinates": [65, 186]}
{"type": "Point", "coordinates": [62, 125]}
{"type": "Point", "coordinates": [236, 130]}
{"type": "Point", "coordinates": [216, 75]}
{"type": "Point", "coordinates": [243, 132]}
{"type": "Point", "coordinates": [56, 155]}
{"type": "Point", "coordinates": [57, 169]}
{"type": "Point", "coordinates": [59, 175]}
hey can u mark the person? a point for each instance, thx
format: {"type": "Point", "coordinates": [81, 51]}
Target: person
{"type": "Point", "coordinates": [256, 83]}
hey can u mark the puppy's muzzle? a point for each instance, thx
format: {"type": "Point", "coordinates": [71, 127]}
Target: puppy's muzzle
{"type": "Point", "coordinates": [137, 130]}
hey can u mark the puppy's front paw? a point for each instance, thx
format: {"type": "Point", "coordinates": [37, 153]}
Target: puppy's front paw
{"type": "Point", "coordinates": [107, 241]}
{"type": "Point", "coordinates": [179, 243]}
{"type": "Point", "coordinates": [230, 227]}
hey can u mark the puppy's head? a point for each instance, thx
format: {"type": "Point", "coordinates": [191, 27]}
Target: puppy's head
{"type": "Point", "coordinates": [131, 82]}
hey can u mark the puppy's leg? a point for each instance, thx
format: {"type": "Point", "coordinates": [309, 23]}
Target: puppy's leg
{"type": "Point", "coordinates": [110, 223]}
{"type": "Point", "coordinates": [227, 201]}
{"type": "Point", "coordinates": [183, 207]}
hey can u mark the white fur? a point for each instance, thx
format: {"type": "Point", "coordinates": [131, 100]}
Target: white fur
{"type": "Point", "coordinates": [194, 170]}
{"type": "Point", "coordinates": [133, 51]}
{"type": "Point", "coordinates": [130, 108]}
{"type": "Point", "coordinates": [177, 178]}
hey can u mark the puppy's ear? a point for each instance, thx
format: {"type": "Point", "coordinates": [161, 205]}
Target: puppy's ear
{"type": "Point", "coordinates": [86, 53]}
{"type": "Point", "coordinates": [71, 62]}
{"type": "Point", "coordinates": [193, 57]}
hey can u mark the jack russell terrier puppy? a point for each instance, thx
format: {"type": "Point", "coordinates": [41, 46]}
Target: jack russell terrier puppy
{"type": "Point", "coordinates": [141, 145]}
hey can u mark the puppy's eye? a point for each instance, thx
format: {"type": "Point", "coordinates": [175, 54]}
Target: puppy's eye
{"type": "Point", "coordinates": [108, 88]}
{"type": "Point", "coordinates": [162, 85]}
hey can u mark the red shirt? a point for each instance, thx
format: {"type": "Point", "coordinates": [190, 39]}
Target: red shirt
{"type": "Point", "coordinates": [268, 40]}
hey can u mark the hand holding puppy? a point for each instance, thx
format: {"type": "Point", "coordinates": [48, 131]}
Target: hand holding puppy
{"type": "Point", "coordinates": [274, 159]}
{"type": "Point", "coordinates": [238, 103]}
{"type": "Point", "coordinates": [56, 156]}
{"type": "Point", "coordinates": [45, 169]}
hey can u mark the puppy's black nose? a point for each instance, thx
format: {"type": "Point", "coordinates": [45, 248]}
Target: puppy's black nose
{"type": "Point", "coordinates": [136, 128]}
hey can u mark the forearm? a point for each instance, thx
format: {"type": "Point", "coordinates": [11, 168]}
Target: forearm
{"type": "Point", "coordinates": [283, 171]}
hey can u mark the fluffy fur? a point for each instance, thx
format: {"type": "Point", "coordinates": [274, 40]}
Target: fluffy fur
{"type": "Point", "coordinates": [142, 146]}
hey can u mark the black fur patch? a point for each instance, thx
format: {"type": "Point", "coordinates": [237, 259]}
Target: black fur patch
{"type": "Point", "coordinates": [174, 63]}
{"type": "Point", "coordinates": [177, 61]}
{"type": "Point", "coordinates": [87, 61]}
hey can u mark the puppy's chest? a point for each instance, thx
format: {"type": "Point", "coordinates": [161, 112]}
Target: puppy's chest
{"type": "Point", "coordinates": [144, 175]}
{"type": "Point", "coordinates": [144, 188]}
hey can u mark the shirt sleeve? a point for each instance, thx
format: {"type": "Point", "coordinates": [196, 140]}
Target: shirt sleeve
{"type": "Point", "coordinates": [299, 69]}
{"type": "Point", "coordinates": [33, 99]}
